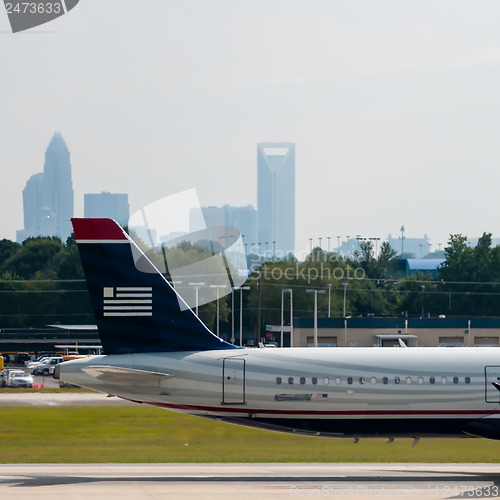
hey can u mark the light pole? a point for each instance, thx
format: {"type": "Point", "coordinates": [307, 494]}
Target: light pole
{"type": "Point", "coordinates": [218, 287]}
{"type": "Point", "coordinates": [283, 291]}
{"type": "Point", "coordinates": [315, 291]}
{"type": "Point", "coordinates": [329, 297]}
{"type": "Point", "coordinates": [232, 315]}
{"type": "Point", "coordinates": [328, 238]}
{"type": "Point", "coordinates": [345, 295]}
{"type": "Point", "coordinates": [241, 312]}
{"type": "Point", "coordinates": [197, 288]}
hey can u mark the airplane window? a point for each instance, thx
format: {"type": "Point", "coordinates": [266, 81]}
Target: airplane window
{"type": "Point", "coordinates": [349, 380]}
{"type": "Point", "coordinates": [420, 380]}
{"type": "Point", "coordinates": [467, 380]}
{"type": "Point", "coordinates": [432, 380]}
{"type": "Point", "coordinates": [408, 380]}
{"type": "Point", "coordinates": [385, 380]}
{"type": "Point", "coordinates": [290, 380]}
{"type": "Point", "coordinates": [373, 380]}
{"type": "Point", "coordinates": [302, 380]}
{"type": "Point", "coordinates": [314, 380]}
{"type": "Point", "coordinates": [338, 380]}
{"type": "Point", "coordinates": [326, 381]}
{"type": "Point", "coordinates": [397, 380]}
{"type": "Point", "coordinates": [278, 380]}
{"type": "Point", "coordinates": [361, 380]}
{"type": "Point", "coordinates": [444, 380]}
{"type": "Point", "coordinates": [455, 380]}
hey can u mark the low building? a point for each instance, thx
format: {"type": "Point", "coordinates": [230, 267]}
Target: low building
{"type": "Point", "coordinates": [385, 332]}
{"type": "Point", "coordinates": [423, 266]}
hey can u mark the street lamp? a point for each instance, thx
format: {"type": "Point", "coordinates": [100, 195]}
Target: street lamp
{"type": "Point", "coordinates": [218, 287]}
{"type": "Point", "coordinates": [241, 312]}
{"type": "Point", "coordinates": [315, 291]}
{"type": "Point", "coordinates": [283, 291]}
{"type": "Point", "coordinates": [345, 295]}
{"type": "Point", "coordinates": [197, 285]}
{"type": "Point", "coordinates": [329, 297]}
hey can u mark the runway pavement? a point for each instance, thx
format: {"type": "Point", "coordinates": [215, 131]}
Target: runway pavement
{"type": "Point", "coordinates": [59, 399]}
{"type": "Point", "coordinates": [249, 481]}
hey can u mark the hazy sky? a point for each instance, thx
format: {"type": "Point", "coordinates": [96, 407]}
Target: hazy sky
{"type": "Point", "coordinates": [393, 107]}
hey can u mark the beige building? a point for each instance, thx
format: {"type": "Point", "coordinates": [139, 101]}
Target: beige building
{"type": "Point", "coordinates": [386, 332]}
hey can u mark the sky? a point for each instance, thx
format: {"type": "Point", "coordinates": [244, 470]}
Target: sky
{"type": "Point", "coordinates": [393, 106]}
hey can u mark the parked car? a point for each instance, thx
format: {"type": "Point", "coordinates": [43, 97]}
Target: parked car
{"type": "Point", "coordinates": [40, 359]}
{"type": "Point", "coordinates": [47, 366]}
{"type": "Point", "coordinates": [21, 357]}
{"type": "Point", "coordinates": [18, 378]}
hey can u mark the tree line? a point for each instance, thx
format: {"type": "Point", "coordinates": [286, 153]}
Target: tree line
{"type": "Point", "coordinates": [42, 282]}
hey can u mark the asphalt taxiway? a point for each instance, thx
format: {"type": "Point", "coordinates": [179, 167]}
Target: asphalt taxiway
{"type": "Point", "coordinates": [248, 481]}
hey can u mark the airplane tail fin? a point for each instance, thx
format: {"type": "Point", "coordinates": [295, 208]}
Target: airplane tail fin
{"type": "Point", "coordinates": [136, 308]}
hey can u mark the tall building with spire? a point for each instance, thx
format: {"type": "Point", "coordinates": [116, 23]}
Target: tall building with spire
{"type": "Point", "coordinates": [48, 196]}
{"type": "Point", "coordinates": [276, 196]}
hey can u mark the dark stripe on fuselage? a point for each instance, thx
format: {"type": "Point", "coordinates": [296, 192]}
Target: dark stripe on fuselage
{"type": "Point", "coordinates": [351, 428]}
{"type": "Point", "coordinates": [334, 413]}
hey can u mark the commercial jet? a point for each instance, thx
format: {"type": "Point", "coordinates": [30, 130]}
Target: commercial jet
{"type": "Point", "coordinates": [160, 354]}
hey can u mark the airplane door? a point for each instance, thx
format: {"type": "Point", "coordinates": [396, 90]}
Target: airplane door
{"type": "Point", "coordinates": [492, 374]}
{"type": "Point", "coordinates": [233, 381]}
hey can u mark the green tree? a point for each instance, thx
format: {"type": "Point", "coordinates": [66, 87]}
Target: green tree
{"type": "Point", "coordinates": [36, 255]}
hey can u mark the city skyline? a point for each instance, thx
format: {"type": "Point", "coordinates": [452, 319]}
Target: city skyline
{"type": "Point", "coordinates": [48, 197]}
{"type": "Point", "coordinates": [392, 106]}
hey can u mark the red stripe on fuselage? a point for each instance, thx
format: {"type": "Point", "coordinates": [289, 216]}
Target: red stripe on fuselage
{"type": "Point", "coordinates": [97, 229]}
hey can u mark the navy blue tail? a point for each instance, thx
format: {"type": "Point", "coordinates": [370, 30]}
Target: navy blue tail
{"type": "Point", "coordinates": [136, 309]}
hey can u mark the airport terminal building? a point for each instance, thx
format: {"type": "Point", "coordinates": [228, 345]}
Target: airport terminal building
{"type": "Point", "coordinates": [386, 332]}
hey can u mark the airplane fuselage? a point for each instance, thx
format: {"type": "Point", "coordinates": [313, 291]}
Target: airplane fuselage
{"type": "Point", "coordinates": [336, 392]}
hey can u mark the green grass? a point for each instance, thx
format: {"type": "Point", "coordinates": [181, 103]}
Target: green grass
{"type": "Point", "coordinates": [53, 390]}
{"type": "Point", "coordinates": [145, 434]}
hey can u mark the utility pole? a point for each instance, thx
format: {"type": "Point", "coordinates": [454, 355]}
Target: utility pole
{"type": "Point", "coordinates": [259, 308]}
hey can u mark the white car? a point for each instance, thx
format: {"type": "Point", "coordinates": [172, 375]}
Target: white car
{"type": "Point", "coordinates": [46, 367]}
{"type": "Point", "coordinates": [18, 378]}
{"type": "Point", "coordinates": [41, 359]}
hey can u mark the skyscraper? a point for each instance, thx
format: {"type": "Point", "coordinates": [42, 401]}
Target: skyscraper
{"type": "Point", "coordinates": [242, 218]}
{"type": "Point", "coordinates": [48, 196]}
{"type": "Point", "coordinates": [105, 204]}
{"type": "Point", "coordinates": [276, 196]}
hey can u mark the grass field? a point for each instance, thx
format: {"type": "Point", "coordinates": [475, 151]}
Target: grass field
{"type": "Point", "coordinates": [145, 434]}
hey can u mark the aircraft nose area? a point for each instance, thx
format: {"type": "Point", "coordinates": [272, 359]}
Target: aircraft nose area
{"type": "Point", "coordinates": [57, 372]}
